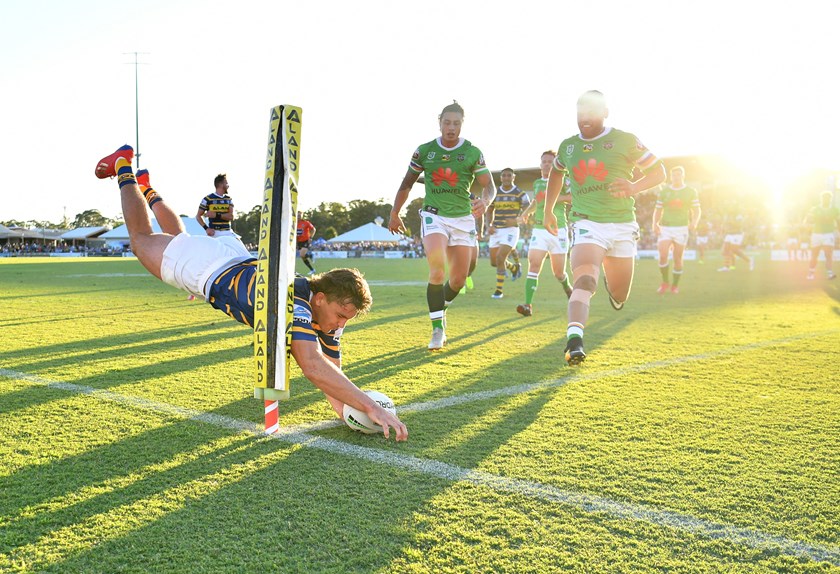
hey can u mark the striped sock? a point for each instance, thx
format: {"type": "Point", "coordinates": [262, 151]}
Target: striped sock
{"type": "Point", "coordinates": [574, 330]}
{"type": "Point", "coordinates": [125, 176]}
{"type": "Point", "coordinates": [500, 281]}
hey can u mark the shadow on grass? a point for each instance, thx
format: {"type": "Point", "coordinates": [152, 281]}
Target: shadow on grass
{"type": "Point", "coordinates": [285, 508]}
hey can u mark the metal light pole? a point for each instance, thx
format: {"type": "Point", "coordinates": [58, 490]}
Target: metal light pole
{"type": "Point", "coordinates": [136, 105]}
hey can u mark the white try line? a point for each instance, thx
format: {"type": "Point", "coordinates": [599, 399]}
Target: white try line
{"type": "Point", "coordinates": [297, 434]}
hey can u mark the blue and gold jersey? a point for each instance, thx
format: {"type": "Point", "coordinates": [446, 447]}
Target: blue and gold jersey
{"type": "Point", "coordinates": [507, 206]}
{"type": "Point", "coordinates": [232, 292]}
{"type": "Point", "coordinates": [215, 205]}
{"type": "Point", "coordinates": [305, 329]}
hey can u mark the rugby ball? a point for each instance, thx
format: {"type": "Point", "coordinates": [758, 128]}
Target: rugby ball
{"type": "Point", "coordinates": [359, 421]}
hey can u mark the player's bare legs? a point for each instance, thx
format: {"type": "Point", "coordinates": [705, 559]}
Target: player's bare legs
{"type": "Point", "coordinates": [586, 260]}
{"type": "Point", "coordinates": [679, 252]}
{"type": "Point", "coordinates": [435, 245]}
{"type": "Point", "coordinates": [460, 258]}
{"type": "Point", "coordinates": [618, 273]}
{"type": "Point", "coordinates": [664, 246]}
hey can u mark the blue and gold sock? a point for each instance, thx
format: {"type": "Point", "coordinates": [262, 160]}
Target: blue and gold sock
{"type": "Point", "coordinates": [125, 176]}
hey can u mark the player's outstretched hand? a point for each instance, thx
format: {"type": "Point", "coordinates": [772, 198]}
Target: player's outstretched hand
{"type": "Point", "coordinates": [550, 222]}
{"type": "Point", "coordinates": [387, 421]}
{"type": "Point", "coordinates": [395, 224]}
{"type": "Point", "coordinates": [479, 206]}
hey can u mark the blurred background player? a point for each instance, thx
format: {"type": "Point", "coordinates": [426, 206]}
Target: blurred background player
{"type": "Point", "coordinates": [542, 242]}
{"type": "Point", "coordinates": [600, 162]}
{"type": "Point", "coordinates": [449, 165]}
{"type": "Point", "coordinates": [503, 229]}
{"type": "Point", "coordinates": [824, 219]}
{"type": "Point", "coordinates": [733, 244]}
{"type": "Point", "coordinates": [221, 271]}
{"type": "Point", "coordinates": [675, 216]}
{"type": "Point", "coordinates": [305, 233]}
{"type": "Point", "coordinates": [218, 207]}
{"type": "Point", "coordinates": [702, 241]}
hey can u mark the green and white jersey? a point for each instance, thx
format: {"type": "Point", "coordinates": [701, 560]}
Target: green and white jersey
{"type": "Point", "coordinates": [593, 164]}
{"type": "Point", "coordinates": [676, 205]}
{"type": "Point", "coordinates": [449, 173]}
{"type": "Point", "coordinates": [540, 186]}
{"type": "Point", "coordinates": [824, 219]}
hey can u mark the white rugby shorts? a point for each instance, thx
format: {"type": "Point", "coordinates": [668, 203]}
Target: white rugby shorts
{"type": "Point", "coordinates": [504, 236]}
{"type": "Point", "coordinates": [678, 235]}
{"type": "Point", "coordinates": [542, 240]}
{"type": "Point", "coordinates": [190, 260]}
{"type": "Point", "coordinates": [822, 240]}
{"type": "Point", "coordinates": [734, 238]}
{"type": "Point", "coordinates": [619, 239]}
{"type": "Point", "coordinates": [458, 230]}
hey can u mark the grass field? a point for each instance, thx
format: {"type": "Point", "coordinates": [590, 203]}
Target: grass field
{"type": "Point", "coordinates": [702, 434]}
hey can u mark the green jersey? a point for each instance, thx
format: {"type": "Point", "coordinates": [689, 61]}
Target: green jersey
{"type": "Point", "coordinates": [449, 173]}
{"type": "Point", "coordinates": [824, 218]}
{"type": "Point", "coordinates": [595, 163]}
{"type": "Point", "coordinates": [540, 186]}
{"type": "Point", "coordinates": [676, 205]}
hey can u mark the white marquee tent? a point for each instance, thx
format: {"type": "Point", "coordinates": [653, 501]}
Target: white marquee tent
{"type": "Point", "coordinates": [370, 232]}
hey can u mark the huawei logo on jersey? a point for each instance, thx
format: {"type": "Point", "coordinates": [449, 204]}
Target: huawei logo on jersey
{"type": "Point", "coordinates": [675, 203]}
{"type": "Point", "coordinates": [592, 167]}
{"type": "Point", "coordinates": [445, 175]}
{"type": "Point", "coordinates": [540, 197]}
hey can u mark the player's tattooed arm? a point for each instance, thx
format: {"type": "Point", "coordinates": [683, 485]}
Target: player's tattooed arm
{"type": "Point", "coordinates": [395, 224]}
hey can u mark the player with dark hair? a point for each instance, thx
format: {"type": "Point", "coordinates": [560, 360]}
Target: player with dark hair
{"type": "Point", "coordinates": [218, 207]}
{"type": "Point", "coordinates": [824, 219]}
{"type": "Point", "coordinates": [544, 243]}
{"type": "Point", "coordinates": [600, 162]}
{"type": "Point", "coordinates": [503, 229]}
{"type": "Point", "coordinates": [222, 272]}
{"type": "Point", "coordinates": [305, 232]}
{"type": "Point", "coordinates": [449, 165]}
{"type": "Point", "coordinates": [675, 216]}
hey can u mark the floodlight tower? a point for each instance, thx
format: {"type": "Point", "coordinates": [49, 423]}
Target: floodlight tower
{"type": "Point", "coordinates": [136, 105]}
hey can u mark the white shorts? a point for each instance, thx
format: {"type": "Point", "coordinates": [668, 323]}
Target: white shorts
{"type": "Point", "coordinates": [459, 230]}
{"type": "Point", "coordinates": [542, 240]}
{"type": "Point", "coordinates": [734, 238]}
{"type": "Point", "coordinates": [619, 239]}
{"type": "Point", "coordinates": [702, 240]}
{"type": "Point", "coordinates": [678, 235]}
{"type": "Point", "coordinates": [224, 233]}
{"type": "Point", "coordinates": [822, 240]}
{"type": "Point", "coordinates": [190, 260]}
{"type": "Point", "coordinates": [504, 236]}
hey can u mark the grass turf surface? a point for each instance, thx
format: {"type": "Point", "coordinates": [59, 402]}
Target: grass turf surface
{"type": "Point", "coordinates": [713, 409]}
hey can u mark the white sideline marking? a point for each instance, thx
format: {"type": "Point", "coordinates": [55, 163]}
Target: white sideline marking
{"type": "Point", "coordinates": [75, 275]}
{"type": "Point", "coordinates": [296, 434]}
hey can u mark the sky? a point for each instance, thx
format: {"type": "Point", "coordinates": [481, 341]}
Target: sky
{"type": "Point", "coordinates": [755, 82]}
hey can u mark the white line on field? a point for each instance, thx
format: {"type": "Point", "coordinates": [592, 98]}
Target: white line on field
{"type": "Point", "coordinates": [296, 434]}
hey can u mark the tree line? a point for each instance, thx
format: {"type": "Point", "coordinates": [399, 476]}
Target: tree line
{"type": "Point", "coordinates": [329, 218]}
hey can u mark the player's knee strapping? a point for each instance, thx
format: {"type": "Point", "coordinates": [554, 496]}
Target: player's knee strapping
{"type": "Point", "coordinates": [586, 283]}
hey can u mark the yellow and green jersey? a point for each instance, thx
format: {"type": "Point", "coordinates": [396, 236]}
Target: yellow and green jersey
{"type": "Point", "coordinates": [540, 187]}
{"type": "Point", "coordinates": [676, 205]}
{"type": "Point", "coordinates": [593, 164]}
{"type": "Point", "coordinates": [507, 206]}
{"type": "Point", "coordinates": [449, 173]}
{"type": "Point", "coordinates": [824, 219]}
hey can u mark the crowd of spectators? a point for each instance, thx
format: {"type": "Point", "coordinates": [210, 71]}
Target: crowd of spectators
{"type": "Point", "coordinates": [34, 249]}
